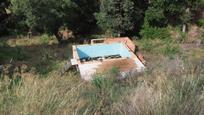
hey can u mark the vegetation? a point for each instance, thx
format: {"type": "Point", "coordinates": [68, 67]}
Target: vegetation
{"type": "Point", "coordinates": [119, 16]}
{"type": "Point", "coordinates": [201, 22]}
{"type": "Point", "coordinates": [169, 86]}
{"type": "Point", "coordinates": [169, 33]}
{"type": "Point", "coordinates": [49, 15]}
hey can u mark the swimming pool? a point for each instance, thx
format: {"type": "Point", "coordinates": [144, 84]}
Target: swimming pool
{"type": "Point", "coordinates": [98, 50]}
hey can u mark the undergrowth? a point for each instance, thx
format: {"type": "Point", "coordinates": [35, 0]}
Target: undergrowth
{"type": "Point", "coordinates": [161, 89]}
{"type": "Point", "coordinates": [9, 53]}
{"type": "Point", "coordinates": [166, 47]}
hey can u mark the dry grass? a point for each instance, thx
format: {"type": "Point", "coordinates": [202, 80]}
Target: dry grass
{"type": "Point", "coordinates": [52, 95]}
{"type": "Point", "coordinates": [162, 93]}
{"type": "Point", "coordinates": [169, 86]}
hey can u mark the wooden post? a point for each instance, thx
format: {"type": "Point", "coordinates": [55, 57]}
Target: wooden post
{"type": "Point", "coordinates": [30, 33]}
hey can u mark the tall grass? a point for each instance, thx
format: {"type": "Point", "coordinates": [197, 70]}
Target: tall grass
{"type": "Point", "coordinates": [164, 94]}
{"type": "Point", "coordinates": [168, 48]}
{"type": "Point", "coordinates": [8, 53]}
{"type": "Point", "coordinates": [53, 95]}
{"type": "Point", "coordinates": [155, 92]}
{"type": "Point", "coordinates": [165, 89]}
{"type": "Point", "coordinates": [104, 91]}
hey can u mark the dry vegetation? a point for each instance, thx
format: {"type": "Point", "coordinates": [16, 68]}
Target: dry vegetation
{"type": "Point", "coordinates": [172, 84]}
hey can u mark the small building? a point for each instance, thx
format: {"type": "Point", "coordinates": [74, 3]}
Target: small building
{"type": "Point", "coordinates": [104, 54]}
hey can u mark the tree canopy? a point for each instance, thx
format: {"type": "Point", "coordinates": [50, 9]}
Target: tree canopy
{"type": "Point", "coordinates": [49, 15]}
{"type": "Point", "coordinates": [115, 17]}
{"type": "Point", "coordinates": [119, 16]}
{"type": "Point", "coordinates": [4, 4]}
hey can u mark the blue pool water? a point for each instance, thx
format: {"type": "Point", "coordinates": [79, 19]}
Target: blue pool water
{"type": "Point", "coordinates": [97, 50]}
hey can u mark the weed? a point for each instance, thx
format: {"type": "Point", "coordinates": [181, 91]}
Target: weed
{"type": "Point", "coordinates": [105, 90]}
{"type": "Point", "coordinates": [146, 45]}
{"type": "Point", "coordinates": [45, 39]}
{"type": "Point", "coordinates": [47, 62]}
{"type": "Point", "coordinates": [155, 33]}
{"type": "Point", "coordinates": [165, 94]}
{"type": "Point", "coordinates": [165, 47]}
{"type": "Point", "coordinates": [182, 36]}
{"type": "Point", "coordinates": [170, 50]}
{"type": "Point", "coordinates": [3, 43]}
{"type": "Point", "coordinates": [200, 22]}
{"type": "Point", "coordinates": [7, 53]}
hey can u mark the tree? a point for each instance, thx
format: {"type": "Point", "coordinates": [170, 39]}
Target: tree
{"type": "Point", "coordinates": [49, 15]}
{"type": "Point", "coordinates": [81, 17]}
{"type": "Point", "coordinates": [3, 16]}
{"type": "Point", "coordinates": [160, 13]}
{"type": "Point", "coordinates": [119, 16]}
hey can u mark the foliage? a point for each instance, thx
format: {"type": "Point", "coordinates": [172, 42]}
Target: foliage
{"type": "Point", "coordinates": [35, 13]}
{"type": "Point", "coordinates": [46, 63]}
{"type": "Point", "coordinates": [119, 16]}
{"type": "Point", "coordinates": [160, 13]}
{"type": "Point", "coordinates": [7, 53]}
{"type": "Point", "coordinates": [168, 86]}
{"type": "Point", "coordinates": [167, 48]}
{"type": "Point", "coordinates": [49, 15]}
{"type": "Point", "coordinates": [154, 33]}
{"type": "Point", "coordinates": [201, 22]}
{"type": "Point", "coordinates": [171, 49]}
{"type": "Point", "coordinates": [45, 39]}
{"type": "Point", "coordinates": [157, 92]}
{"type": "Point", "coordinates": [106, 90]}
{"type": "Point", "coordinates": [49, 95]}
{"type": "Point", "coordinates": [4, 17]}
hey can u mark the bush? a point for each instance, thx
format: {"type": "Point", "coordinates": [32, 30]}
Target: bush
{"type": "Point", "coordinates": [43, 67]}
{"type": "Point", "coordinates": [200, 22]}
{"type": "Point", "coordinates": [153, 32]}
{"type": "Point", "coordinates": [165, 47]}
{"type": "Point", "coordinates": [3, 43]}
{"type": "Point", "coordinates": [146, 45]}
{"type": "Point", "coordinates": [7, 53]}
{"type": "Point", "coordinates": [45, 39]}
{"type": "Point", "coordinates": [170, 50]}
{"type": "Point", "coordinates": [105, 90]}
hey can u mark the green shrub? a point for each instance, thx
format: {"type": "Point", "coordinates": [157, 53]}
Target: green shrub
{"type": "Point", "coordinates": [105, 90]}
{"type": "Point", "coordinates": [170, 50]}
{"type": "Point", "coordinates": [45, 39]}
{"type": "Point", "coordinates": [146, 45]}
{"type": "Point", "coordinates": [153, 32]}
{"type": "Point", "coordinates": [7, 53]}
{"type": "Point", "coordinates": [183, 37]}
{"type": "Point", "coordinates": [20, 54]}
{"type": "Point", "coordinates": [2, 43]}
{"type": "Point", "coordinates": [47, 62]}
{"type": "Point", "coordinates": [44, 65]}
{"type": "Point", "coordinates": [200, 22]}
{"type": "Point", "coordinates": [166, 47]}
{"type": "Point", "coordinates": [202, 37]}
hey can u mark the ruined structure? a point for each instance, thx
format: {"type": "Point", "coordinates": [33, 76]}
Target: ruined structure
{"type": "Point", "coordinates": [104, 54]}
